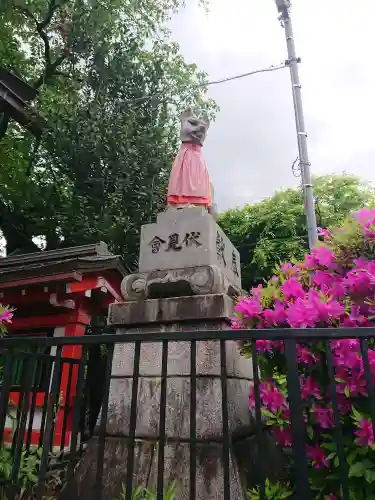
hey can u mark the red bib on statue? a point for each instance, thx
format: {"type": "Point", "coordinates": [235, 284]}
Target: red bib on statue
{"type": "Point", "coordinates": [189, 182]}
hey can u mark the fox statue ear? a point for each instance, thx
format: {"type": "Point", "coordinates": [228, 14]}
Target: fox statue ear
{"type": "Point", "coordinates": [186, 114]}
{"type": "Point", "coordinates": [206, 119]}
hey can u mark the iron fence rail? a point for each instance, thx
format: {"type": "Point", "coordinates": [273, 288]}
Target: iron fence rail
{"type": "Point", "coordinates": [56, 363]}
{"type": "Point", "coordinates": [307, 334]}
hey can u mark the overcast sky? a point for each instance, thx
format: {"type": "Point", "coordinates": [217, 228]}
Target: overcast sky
{"type": "Point", "coordinates": [252, 144]}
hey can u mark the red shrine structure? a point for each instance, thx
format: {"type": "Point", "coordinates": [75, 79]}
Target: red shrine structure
{"type": "Point", "coordinates": [58, 293]}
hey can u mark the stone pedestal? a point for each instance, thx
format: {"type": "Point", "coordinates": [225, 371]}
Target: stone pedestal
{"type": "Point", "coordinates": [211, 312]}
{"type": "Point", "coordinates": [188, 268]}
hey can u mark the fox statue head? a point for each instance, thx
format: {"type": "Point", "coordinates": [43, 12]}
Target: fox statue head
{"type": "Point", "coordinates": [193, 128]}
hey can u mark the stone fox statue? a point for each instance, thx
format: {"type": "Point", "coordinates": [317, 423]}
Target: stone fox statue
{"type": "Point", "coordinates": [189, 182]}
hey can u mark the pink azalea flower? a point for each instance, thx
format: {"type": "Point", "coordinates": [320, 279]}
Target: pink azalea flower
{"type": "Point", "coordinates": [355, 384]}
{"type": "Point", "coordinates": [292, 289]}
{"type": "Point", "coordinates": [286, 268]}
{"type": "Point", "coordinates": [6, 316]}
{"type": "Point", "coordinates": [365, 433]}
{"type": "Point", "coordinates": [301, 315]}
{"type": "Point", "coordinates": [343, 346]}
{"type": "Point", "coordinates": [328, 311]}
{"type": "Point", "coordinates": [369, 229]}
{"type": "Point", "coordinates": [286, 414]}
{"type": "Point", "coordinates": [326, 233]}
{"type": "Point", "coordinates": [356, 316]}
{"type": "Point", "coordinates": [276, 316]}
{"type": "Point", "coordinates": [237, 324]}
{"type": "Point", "coordinates": [371, 359]}
{"type": "Point", "coordinates": [271, 397]}
{"type": "Point", "coordinates": [283, 436]}
{"type": "Point", "coordinates": [364, 214]}
{"type": "Point", "coordinates": [309, 388]}
{"type": "Point", "coordinates": [290, 269]}
{"type": "Point", "coordinates": [361, 263]}
{"type": "Point", "coordinates": [310, 261]}
{"type": "Point", "coordinates": [257, 291]}
{"type": "Point", "coordinates": [278, 345]}
{"type": "Point", "coordinates": [305, 356]}
{"type": "Point", "coordinates": [322, 278]}
{"type": "Point", "coordinates": [249, 308]}
{"type": "Point", "coordinates": [337, 290]}
{"type": "Point", "coordinates": [324, 417]}
{"type": "Point", "coordinates": [344, 404]}
{"type": "Point", "coordinates": [264, 346]}
{"type": "Point", "coordinates": [359, 282]}
{"type": "Point", "coordinates": [350, 360]}
{"type": "Point", "coordinates": [317, 455]}
{"type": "Point", "coordinates": [358, 386]}
{"type": "Point", "coordinates": [323, 256]}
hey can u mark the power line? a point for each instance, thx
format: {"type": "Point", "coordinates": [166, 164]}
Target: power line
{"type": "Point", "coordinates": [214, 82]}
{"type": "Point", "coordinates": [243, 75]}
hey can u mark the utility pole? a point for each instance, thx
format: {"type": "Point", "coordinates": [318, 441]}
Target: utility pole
{"type": "Point", "coordinates": [283, 7]}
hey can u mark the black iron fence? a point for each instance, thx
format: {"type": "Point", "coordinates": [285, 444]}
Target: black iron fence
{"type": "Point", "coordinates": [46, 408]}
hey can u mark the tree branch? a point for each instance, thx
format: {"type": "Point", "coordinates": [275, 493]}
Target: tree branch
{"type": "Point", "coordinates": [52, 7]}
{"type": "Point", "coordinates": [25, 11]}
{"type": "Point", "coordinates": [40, 29]}
{"type": "Point", "coordinates": [49, 67]}
{"type": "Point", "coordinates": [50, 70]}
{"type": "Point", "coordinates": [47, 48]}
{"type": "Point", "coordinates": [4, 122]}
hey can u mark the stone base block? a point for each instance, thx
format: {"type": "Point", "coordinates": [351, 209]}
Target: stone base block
{"type": "Point", "coordinates": [198, 308]}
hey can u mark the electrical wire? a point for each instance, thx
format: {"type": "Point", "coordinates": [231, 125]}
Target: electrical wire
{"type": "Point", "coordinates": [243, 75]}
{"type": "Point", "coordinates": [214, 82]}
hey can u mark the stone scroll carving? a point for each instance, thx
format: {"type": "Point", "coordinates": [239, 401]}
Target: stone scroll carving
{"type": "Point", "coordinates": [199, 280]}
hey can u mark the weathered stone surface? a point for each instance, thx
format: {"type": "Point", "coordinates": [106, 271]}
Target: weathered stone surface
{"type": "Point", "coordinates": [169, 310]}
{"type": "Point", "coordinates": [209, 473]}
{"type": "Point", "coordinates": [175, 217]}
{"type": "Point", "coordinates": [207, 359]}
{"type": "Point", "coordinates": [199, 280]}
{"type": "Point", "coordinates": [209, 423]}
{"type": "Point", "coordinates": [188, 238]}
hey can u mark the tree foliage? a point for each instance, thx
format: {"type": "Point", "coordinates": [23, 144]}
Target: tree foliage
{"type": "Point", "coordinates": [274, 230]}
{"type": "Point", "coordinates": [111, 86]}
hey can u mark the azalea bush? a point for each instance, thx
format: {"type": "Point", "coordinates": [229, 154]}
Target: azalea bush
{"type": "Point", "coordinates": [333, 287]}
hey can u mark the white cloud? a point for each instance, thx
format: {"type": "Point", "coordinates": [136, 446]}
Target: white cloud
{"type": "Point", "coordinates": [252, 144]}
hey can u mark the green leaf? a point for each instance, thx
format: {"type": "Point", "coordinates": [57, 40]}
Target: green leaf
{"type": "Point", "coordinates": [356, 415]}
{"type": "Point", "coordinates": [329, 446]}
{"type": "Point", "coordinates": [357, 470]}
{"type": "Point", "coordinates": [370, 476]}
